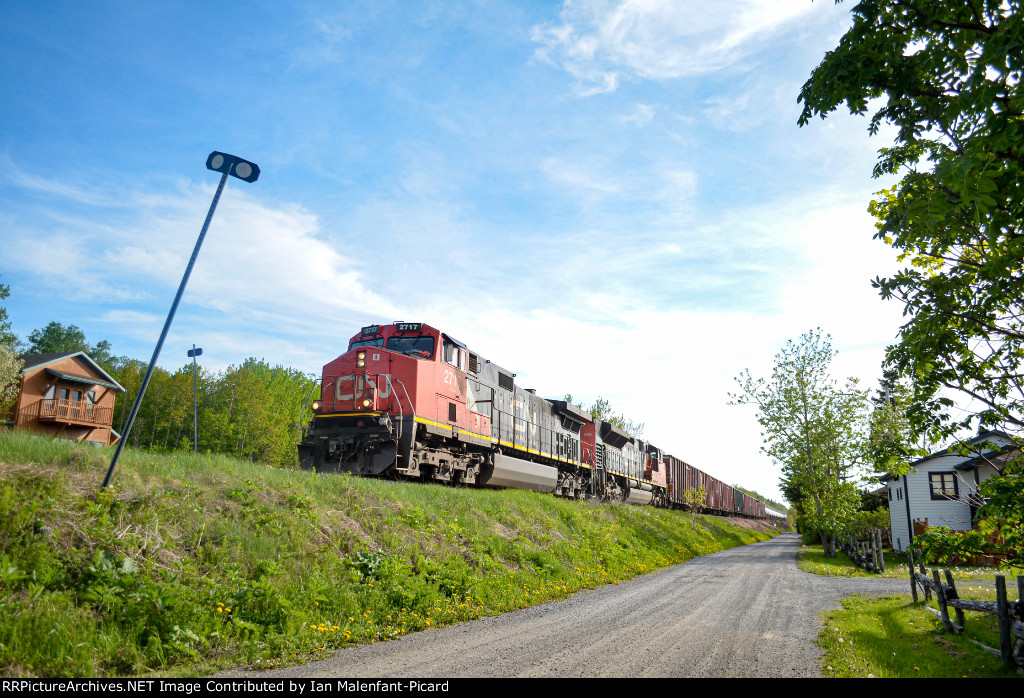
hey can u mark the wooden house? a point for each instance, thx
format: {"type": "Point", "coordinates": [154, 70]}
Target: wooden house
{"type": "Point", "coordinates": [66, 395]}
{"type": "Point", "coordinates": [942, 489]}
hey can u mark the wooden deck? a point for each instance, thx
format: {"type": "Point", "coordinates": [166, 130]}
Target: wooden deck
{"type": "Point", "coordinates": [68, 412]}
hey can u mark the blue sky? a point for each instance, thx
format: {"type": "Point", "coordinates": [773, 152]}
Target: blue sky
{"type": "Point", "coordinates": [608, 198]}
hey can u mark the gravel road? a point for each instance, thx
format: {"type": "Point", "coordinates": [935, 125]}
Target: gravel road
{"type": "Point", "coordinates": [742, 612]}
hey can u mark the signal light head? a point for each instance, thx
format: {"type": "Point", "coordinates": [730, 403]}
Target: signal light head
{"type": "Point", "coordinates": [233, 165]}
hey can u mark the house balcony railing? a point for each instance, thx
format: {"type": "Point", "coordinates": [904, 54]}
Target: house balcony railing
{"type": "Point", "coordinates": [70, 411]}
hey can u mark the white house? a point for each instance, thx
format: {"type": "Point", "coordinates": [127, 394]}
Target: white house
{"type": "Point", "coordinates": [942, 489]}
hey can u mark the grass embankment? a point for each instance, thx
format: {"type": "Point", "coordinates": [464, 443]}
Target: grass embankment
{"type": "Point", "coordinates": [893, 637]}
{"type": "Point", "coordinates": [195, 563]}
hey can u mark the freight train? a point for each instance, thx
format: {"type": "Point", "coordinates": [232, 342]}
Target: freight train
{"type": "Point", "coordinates": [408, 400]}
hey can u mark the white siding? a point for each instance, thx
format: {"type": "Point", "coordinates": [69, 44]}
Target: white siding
{"type": "Point", "coordinates": [898, 515]}
{"type": "Point", "coordinates": [954, 514]}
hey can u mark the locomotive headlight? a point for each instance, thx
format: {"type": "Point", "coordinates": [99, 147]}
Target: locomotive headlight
{"type": "Point", "coordinates": [316, 405]}
{"type": "Point", "coordinates": [367, 402]}
{"type": "Point", "coordinates": [361, 359]}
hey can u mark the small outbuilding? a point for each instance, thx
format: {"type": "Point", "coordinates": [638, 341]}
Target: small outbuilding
{"type": "Point", "coordinates": [66, 395]}
{"type": "Point", "coordinates": [942, 490]}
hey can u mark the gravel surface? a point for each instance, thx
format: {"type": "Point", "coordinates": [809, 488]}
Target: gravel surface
{"type": "Point", "coordinates": [747, 611]}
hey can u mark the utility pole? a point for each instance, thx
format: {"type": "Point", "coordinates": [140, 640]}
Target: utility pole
{"type": "Point", "coordinates": [193, 353]}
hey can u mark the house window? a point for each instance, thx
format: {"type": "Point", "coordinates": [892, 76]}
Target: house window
{"type": "Point", "coordinates": [943, 485]}
{"type": "Point", "coordinates": [70, 394]}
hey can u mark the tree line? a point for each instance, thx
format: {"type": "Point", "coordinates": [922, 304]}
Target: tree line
{"type": "Point", "coordinates": [253, 410]}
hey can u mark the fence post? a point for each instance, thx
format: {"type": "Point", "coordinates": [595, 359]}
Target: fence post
{"type": "Point", "coordinates": [1018, 645]}
{"type": "Point", "coordinates": [913, 581]}
{"type": "Point", "coordinates": [927, 589]}
{"type": "Point", "coordinates": [1020, 599]}
{"type": "Point", "coordinates": [954, 594]}
{"type": "Point", "coordinates": [940, 597]}
{"type": "Point", "coordinates": [881, 551]}
{"type": "Point", "coordinates": [1003, 615]}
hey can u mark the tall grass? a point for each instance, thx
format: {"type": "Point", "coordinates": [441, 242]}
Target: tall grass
{"type": "Point", "coordinates": [196, 562]}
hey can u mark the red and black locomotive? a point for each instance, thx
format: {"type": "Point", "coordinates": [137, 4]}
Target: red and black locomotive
{"type": "Point", "coordinates": [408, 399]}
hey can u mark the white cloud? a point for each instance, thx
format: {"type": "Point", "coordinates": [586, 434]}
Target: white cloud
{"type": "Point", "coordinates": [57, 187]}
{"type": "Point", "coordinates": [642, 116]}
{"type": "Point", "coordinates": [262, 265]}
{"type": "Point", "coordinates": [671, 364]}
{"type": "Point", "coordinates": [577, 175]}
{"type": "Point", "coordinates": [598, 41]}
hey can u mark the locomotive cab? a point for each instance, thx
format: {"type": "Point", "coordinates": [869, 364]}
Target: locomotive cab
{"type": "Point", "coordinates": [398, 391]}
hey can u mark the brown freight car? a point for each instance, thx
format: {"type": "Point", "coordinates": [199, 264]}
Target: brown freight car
{"type": "Point", "coordinates": [719, 498]}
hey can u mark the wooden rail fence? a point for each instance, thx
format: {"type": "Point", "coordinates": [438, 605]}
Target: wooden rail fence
{"type": "Point", "coordinates": [1009, 614]}
{"type": "Point", "coordinates": [866, 554]}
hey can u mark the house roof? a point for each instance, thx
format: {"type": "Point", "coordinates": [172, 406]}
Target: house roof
{"type": "Point", "coordinates": [970, 462]}
{"type": "Point", "coordinates": [1001, 455]}
{"type": "Point", "coordinates": [41, 360]}
{"type": "Point", "coordinates": [88, 380]}
{"type": "Point", "coordinates": [33, 360]}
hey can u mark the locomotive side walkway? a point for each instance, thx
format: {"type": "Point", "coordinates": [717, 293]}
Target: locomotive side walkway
{"type": "Point", "coordinates": [742, 612]}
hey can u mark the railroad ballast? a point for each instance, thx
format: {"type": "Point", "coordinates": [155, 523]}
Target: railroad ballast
{"type": "Point", "coordinates": [407, 399]}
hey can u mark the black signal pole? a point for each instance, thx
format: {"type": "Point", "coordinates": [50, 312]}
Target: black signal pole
{"type": "Point", "coordinates": [226, 165]}
{"type": "Point", "coordinates": [193, 353]}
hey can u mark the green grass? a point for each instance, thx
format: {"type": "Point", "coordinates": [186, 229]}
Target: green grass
{"type": "Point", "coordinates": [811, 558]}
{"type": "Point", "coordinates": [194, 563]}
{"type": "Point", "coordinates": [893, 637]}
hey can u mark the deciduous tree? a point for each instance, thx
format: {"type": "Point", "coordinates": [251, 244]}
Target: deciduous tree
{"type": "Point", "coordinates": [602, 409]}
{"type": "Point", "coordinates": [694, 498]}
{"type": "Point", "coordinates": [814, 429]}
{"type": "Point", "coordinates": [7, 338]}
{"type": "Point", "coordinates": [947, 75]}
{"type": "Point", "coordinates": [893, 442]}
{"type": "Point", "coordinates": [10, 379]}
